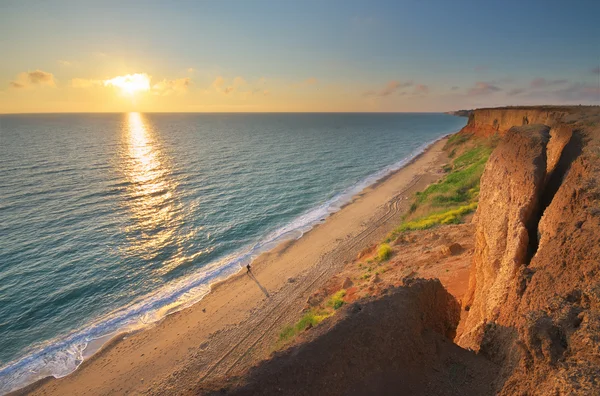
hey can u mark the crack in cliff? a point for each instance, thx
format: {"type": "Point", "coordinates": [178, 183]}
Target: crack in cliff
{"type": "Point", "coordinates": [553, 181]}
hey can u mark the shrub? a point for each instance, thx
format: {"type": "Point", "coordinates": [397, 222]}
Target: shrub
{"type": "Point", "coordinates": [337, 300]}
{"type": "Point", "coordinates": [384, 252]}
{"type": "Point", "coordinates": [309, 319]}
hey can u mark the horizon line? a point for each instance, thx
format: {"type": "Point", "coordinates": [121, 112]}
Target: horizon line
{"type": "Point", "coordinates": [232, 112]}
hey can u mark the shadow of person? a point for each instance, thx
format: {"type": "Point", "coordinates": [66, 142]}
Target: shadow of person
{"type": "Point", "coordinates": [262, 288]}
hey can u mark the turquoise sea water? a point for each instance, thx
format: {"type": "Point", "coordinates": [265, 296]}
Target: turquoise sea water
{"type": "Point", "coordinates": [109, 222]}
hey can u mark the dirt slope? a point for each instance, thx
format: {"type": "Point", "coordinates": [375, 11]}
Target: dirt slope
{"type": "Point", "coordinates": [399, 343]}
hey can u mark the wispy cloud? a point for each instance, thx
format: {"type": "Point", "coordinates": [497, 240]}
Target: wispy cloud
{"type": "Point", "coordinates": [33, 78]}
{"type": "Point", "coordinates": [65, 63]}
{"type": "Point", "coordinates": [515, 92]}
{"type": "Point", "coordinates": [421, 89]}
{"type": "Point", "coordinates": [220, 84]}
{"type": "Point", "coordinates": [84, 83]}
{"type": "Point", "coordinates": [481, 68]}
{"type": "Point", "coordinates": [541, 82]}
{"type": "Point", "coordinates": [454, 88]}
{"type": "Point", "coordinates": [311, 81]}
{"type": "Point", "coordinates": [483, 88]}
{"type": "Point", "coordinates": [170, 87]}
{"type": "Point", "coordinates": [579, 92]}
{"type": "Point", "coordinates": [389, 88]}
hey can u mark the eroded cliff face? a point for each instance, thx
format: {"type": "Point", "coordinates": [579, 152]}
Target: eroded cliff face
{"type": "Point", "coordinates": [486, 122]}
{"type": "Point", "coordinates": [534, 301]}
{"type": "Point", "coordinates": [511, 187]}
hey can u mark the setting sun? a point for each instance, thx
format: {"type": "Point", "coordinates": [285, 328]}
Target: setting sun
{"type": "Point", "coordinates": [130, 83]}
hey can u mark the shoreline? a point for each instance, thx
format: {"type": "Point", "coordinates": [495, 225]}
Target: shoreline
{"type": "Point", "coordinates": [412, 178]}
{"type": "Point", "coordinates": [285, 233]}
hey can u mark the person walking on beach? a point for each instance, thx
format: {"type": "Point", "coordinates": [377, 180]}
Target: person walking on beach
{"type": "Point", "coordinates": [248, 268]}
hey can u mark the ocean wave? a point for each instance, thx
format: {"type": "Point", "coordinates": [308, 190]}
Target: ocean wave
{"type": "Point", "coordinates": [62, 356]}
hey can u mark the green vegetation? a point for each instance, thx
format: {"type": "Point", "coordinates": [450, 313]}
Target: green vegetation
{"type": "Point", "coordinates": [337, 300]}
{"type": "Point", "coordinates": [384, 252]}
{"type": "Point", "coordinates": [457, 193]}
{"type": "Point", "coordinates": [458, 139]}
{"type": "Point", "coordinates": [452, 216]}
{"type": "Point", "coordinates": [313, 317]}
{"type": "Point", "coordinates": [309, 319]}
{"type": "Point", "coordinates": [461, 185]}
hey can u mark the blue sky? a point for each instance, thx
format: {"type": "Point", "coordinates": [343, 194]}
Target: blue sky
{"type": "Point", "coordinates": [299, 55]}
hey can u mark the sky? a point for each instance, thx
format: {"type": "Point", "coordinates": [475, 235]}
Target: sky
{"type": "Point", "coordinates": [296, 56]}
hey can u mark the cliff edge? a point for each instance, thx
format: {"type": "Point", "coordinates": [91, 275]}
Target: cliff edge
{"type": "Point", "coordinates": [534, 293]}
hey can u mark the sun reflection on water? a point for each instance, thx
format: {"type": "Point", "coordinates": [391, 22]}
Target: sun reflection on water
{"type": "Point", "coordinates": [156, 233]}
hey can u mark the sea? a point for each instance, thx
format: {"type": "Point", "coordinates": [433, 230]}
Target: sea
{"type": "Point", "coordinates": [109, 222]}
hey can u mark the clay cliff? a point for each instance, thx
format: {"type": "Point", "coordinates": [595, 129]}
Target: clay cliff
{"type": "Point", "coordinates": [485, 122]}
{"type": "Point", "coordinates": [534, 292]}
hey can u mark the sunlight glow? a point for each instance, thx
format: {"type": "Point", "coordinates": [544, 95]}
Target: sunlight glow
{"type": "Point", "coordinates": [130, 83]}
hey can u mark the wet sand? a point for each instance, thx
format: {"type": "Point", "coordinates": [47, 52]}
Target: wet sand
{"type": "Point", "coordinates": [237, 324]}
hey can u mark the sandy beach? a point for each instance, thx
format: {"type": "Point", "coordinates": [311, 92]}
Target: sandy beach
{"type": "Point", "coordinates": [237, 324]}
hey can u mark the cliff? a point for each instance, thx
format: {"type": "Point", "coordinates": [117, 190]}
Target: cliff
{"type": "Point", "coordinates": [486, 122]}
{"type": "Point", "coordinates": [534, 294]}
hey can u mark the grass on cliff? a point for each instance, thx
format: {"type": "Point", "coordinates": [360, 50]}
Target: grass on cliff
{"type": "Point", "coordinates": [312, 317]}
{"type": "Point", "coordinates": [457, 193]}
{"type": "Point", "coordinates": [384, 252]}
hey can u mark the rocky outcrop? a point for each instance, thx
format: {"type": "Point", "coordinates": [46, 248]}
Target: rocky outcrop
{"type": "Point", "coordinates": [534, 302]}
{"type": "Point", "coordinates": [487, 122]}
{"type": "Point", "coordinates": [399, 343]}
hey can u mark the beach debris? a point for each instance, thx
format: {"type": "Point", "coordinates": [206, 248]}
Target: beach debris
{"type": "Point", "coordinates": [291, 280]}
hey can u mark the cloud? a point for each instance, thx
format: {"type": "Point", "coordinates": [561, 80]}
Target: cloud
{"type": "Point", "coordinates": [421, 89]}
{"type": "Point", "coordinates": [454, 88]}
{"type": "Point", "coordinates": [516, 91]}
{"type": "Point", "coordinates": [65, 63]}
{"type": "Point", "coordinates": [220, 84]}
{"type": "Point", "coordinates": [595, 70]}
{"type": "Point", "coordinates": [191, 70]}
{"type": "Point", "coordinates": [170, 87]}
{"type": "Point", "coordinates": [311, 81]}
{"type": "Point", "coordinates": [259, 91]}
{"type": "Point", "coordinates": [483, 88]}
{"type": "Point", "coordinates": [543, 83]}
{"type": "Point", "coordinates": [85, 83]}
{"type": "Point", "coordinates": [389, 88]}
{"type": "Point", "coordinates": [481, 68]}
{"type": "Point", "coordinates": [579, 92]}
{"type": "Point", "coordinates": [33, 78]}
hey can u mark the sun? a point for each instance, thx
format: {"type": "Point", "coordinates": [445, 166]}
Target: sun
{"type": "Point", "coordinates": [130, 84]}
